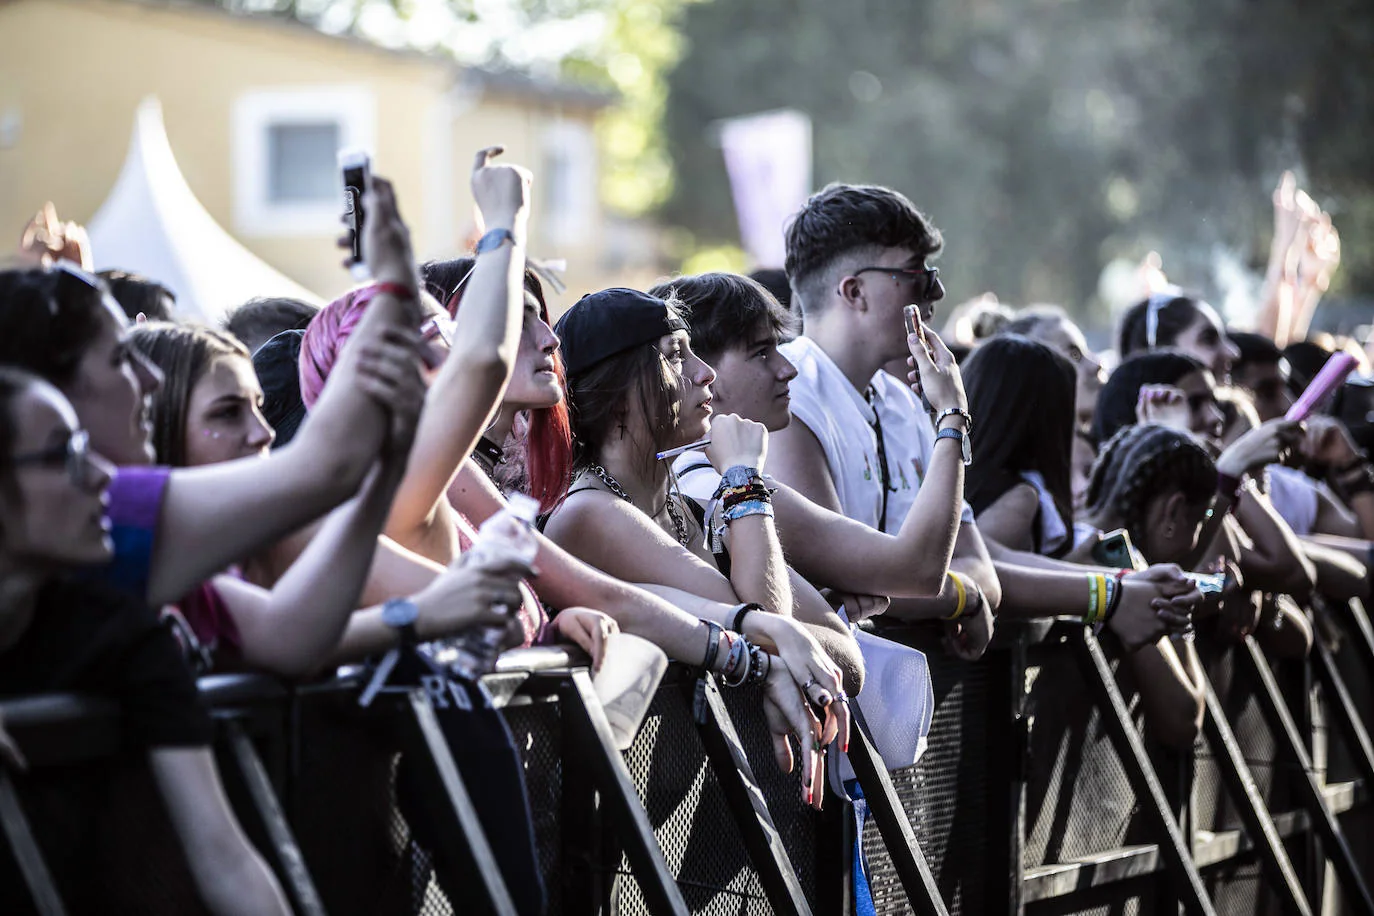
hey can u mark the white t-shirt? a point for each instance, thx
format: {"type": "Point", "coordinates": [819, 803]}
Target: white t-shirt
{"type": "Point", "coordinates": [909, 438]}
{"type": "Point", "coordinates": [842, 420]}
{"type": "Point", "coordinates": [1294, 496]}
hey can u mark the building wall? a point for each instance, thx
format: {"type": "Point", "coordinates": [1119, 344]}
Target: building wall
{"type": "Point", "coordinates": [72, 73]}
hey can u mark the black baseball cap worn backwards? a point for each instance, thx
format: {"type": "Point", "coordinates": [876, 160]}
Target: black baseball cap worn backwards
{"type": "Point", "coordinates": [600, 325]}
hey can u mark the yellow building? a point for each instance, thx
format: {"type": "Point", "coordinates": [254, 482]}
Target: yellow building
{"type": "Point", "coordinates": [255, 109]}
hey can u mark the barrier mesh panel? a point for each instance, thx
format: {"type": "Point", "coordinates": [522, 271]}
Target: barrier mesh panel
{"type": "Point", "coordinates": [945, 795]}
{"type": "Point", "coordinates": [1079, 799]}
{"type": "Point", "coordinates": [537, 729]}
{"type": "Point", "coordinates": [690, 816]}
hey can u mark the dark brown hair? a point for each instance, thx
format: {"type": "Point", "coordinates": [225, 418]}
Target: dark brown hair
{"type": "Point", "coordinates": [183, 352]}
{"type": "Point", "coordinates": [48, 319]}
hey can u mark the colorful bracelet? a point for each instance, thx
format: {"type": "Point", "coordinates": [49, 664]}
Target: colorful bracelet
{"type": "Point", "coordinates": [962, 594]}
{"type": "Point", "coordinates": [736, 671]}
{"type": "Point", "coordinates": [1097, 599]}
{"type": "Point", "coordinates": [746, 509]}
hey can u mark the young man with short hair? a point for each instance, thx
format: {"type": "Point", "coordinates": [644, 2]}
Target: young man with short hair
{"type": "Point", "coordinates": [736, 326]}
{"type": "Point", "coordinates": [856, 256]}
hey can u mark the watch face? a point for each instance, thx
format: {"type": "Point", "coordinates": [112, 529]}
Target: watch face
{"type": "Point", "coordinates": [399, 613]}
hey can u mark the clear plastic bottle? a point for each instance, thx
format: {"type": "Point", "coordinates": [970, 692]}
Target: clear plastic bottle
{"type": "Point", "coordinates": [507, 535]}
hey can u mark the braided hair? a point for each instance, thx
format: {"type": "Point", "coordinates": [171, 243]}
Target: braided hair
{"type": "Point", "coordinates": [1142, 462]}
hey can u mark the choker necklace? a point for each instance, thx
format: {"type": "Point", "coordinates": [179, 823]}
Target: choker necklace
{"type": "Point", "coordinates": [679, 526]}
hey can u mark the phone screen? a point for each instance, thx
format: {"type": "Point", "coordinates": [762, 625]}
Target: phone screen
{"type": "Point", "coordinates": [354, 165]}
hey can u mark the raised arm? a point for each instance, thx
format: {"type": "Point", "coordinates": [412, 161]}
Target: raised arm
{"type": "Point", "coordinates": [758, 572]}
{"type": "Point", "coordinates": [486, 336]}
{"type": "Point", "coordinates": [216, 515]}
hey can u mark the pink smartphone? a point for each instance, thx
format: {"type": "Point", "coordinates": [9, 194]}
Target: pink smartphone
{"type": "Point", "coordinates": [1331, 377]}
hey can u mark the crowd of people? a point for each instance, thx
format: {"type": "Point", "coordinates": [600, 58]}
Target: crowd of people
{"type": "Point", "coordinates": [754, 475]}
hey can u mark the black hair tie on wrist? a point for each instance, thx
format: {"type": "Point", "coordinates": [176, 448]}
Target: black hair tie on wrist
{"type": "Point", "coordinates": [740, 611]}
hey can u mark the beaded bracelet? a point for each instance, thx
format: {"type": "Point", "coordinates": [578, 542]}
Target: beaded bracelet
{"type": "Point", "coordinates": [746, 509]}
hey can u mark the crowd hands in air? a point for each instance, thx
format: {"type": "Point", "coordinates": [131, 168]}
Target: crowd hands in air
{"type": "Point", "coordinates": [300, 488]}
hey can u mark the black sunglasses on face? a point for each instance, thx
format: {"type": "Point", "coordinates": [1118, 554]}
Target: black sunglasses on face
{"type": "Point", "coordinates": [913, 275]}
{"type": "Point", "coordinates": [73, 455]}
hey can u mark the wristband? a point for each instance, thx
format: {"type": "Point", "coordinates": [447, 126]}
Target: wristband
{"type": "Point", "coordinates": [713, 631]}
{"type": "Point", "coordinates": [493, 240]}
{"type": "Point", "coordinates": [1097, 599]}
{"type": "Point", "coordinates": [1114, 593]}
{"type": "Point", "coordinates": [740, 611]}
{"type": "Point", "coordinates": [739, 475]}
{"type": "Point", "coordinates": [748, 508]}
{"type": "Point", "coordinates": [399, 290]}
{"type": "Point", "coordinates": [962, 594]}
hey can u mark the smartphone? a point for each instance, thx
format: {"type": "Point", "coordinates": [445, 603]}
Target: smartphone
{"type": "Point", "coordinates": [1115, 550]}
{"type": "Point", "coordinates": [356, 166]}
{"type": "Point", "coordinates": [1208, 583]}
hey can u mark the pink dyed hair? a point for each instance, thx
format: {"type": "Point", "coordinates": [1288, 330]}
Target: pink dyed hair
{"type": "Point", "coordinates": [325, 337]}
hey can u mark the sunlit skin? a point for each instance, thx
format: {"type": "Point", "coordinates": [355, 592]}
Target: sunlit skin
{"type": "Point", "coordinates": [753, 380]}
{"type": "Point", "coordinates": [52, 521]}
{"type": "Point", "coordinates": [224, 418]}
{"type": "Point", "coordinates": [691, 415]}
{"type": "Point", "coordinates": [112, 392]}
{"type": "Point", "coordinates": [534, 384]}
{"type": "Point", "coordinates": [1205, 339]}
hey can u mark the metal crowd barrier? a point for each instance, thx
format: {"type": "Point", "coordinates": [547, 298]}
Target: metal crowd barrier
{"type": "Point", "coordinates": [1038, 793]}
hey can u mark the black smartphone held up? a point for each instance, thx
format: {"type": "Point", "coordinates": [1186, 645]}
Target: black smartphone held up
{"type": "Point", "coordinates": [355, 166]}
{"type": "Point", "coordinates": [1115, 550]}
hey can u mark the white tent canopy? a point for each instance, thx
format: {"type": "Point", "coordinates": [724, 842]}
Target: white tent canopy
{"type": "Point", "coordinates": [153, 224]}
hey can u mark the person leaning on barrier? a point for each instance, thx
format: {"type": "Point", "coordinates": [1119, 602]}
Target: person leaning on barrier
{"type": "Point", "coordinates": [205, 413]}
{"type": "Point", "coordinates": [857, 255]}
{"type": "Point", "coordinates": [1176, 390]}
{"type": "Point", "coordinates": [636, 388]}
{"type": "Point", "coordinates": [175, 528]}
{"type": "Point", "coordinates": [737, 326]}
{"type": "Point", "coordinates": [66, 632]}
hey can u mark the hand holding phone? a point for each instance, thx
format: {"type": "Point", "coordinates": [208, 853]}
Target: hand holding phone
{"type": "Point", "coordinates": [356, 167]}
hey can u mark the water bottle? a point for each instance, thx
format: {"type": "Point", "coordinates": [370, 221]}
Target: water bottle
{"type": "Point", "coordinates": [507, 535]}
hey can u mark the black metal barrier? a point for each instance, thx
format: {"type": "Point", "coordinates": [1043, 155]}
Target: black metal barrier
{"type": "Point", "coordinates": [1037, 794]}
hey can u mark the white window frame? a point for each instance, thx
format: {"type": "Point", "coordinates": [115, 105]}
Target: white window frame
{"type": "Point", "coordinates": [577, 140]}
{"type": "Point", "coordinates": [353, 108]}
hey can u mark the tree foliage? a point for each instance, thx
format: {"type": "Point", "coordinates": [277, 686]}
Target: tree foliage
{"type": "Point", "coordinates": [1049, 136]}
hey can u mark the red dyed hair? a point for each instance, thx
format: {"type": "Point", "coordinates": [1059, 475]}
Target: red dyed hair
{"type": "Point", "coordinates": [548, 444]}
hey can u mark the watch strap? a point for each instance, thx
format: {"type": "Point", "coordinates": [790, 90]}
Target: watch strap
{"type": "Point", "coordinates": [963, 439]}
{"type": "Point", "coordinates": [494, 239]}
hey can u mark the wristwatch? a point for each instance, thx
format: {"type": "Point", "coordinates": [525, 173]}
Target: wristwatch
{"type": "Point", "coordinates": [963, 442]}
{"type": "Point", "coordinates": [494, 239]}
{"type": "Point", "coordinates": [400, 614]}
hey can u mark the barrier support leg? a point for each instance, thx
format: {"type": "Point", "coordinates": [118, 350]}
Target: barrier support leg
{"type": "Point", "coordinates": [32, 868]}
{"type": "Point", "coordinates": [592, 733]}
{"type": "Point", "coordinates": [460, 833]}
{"type": "Point", "coordinates": [247, 780]}
{"type": "Point", "coordinates": [1240, 784]}
{"type": "Point", "coordinates": [912, 869]}
{"type": "Point", "coordinates": [1129, 747]}
{"type": "Point", "coordinates": [1342, 704]}
{"type": "Point", "coordinates": [736, 777]}
{"type": "Point", "coordinates": [1290, 745]}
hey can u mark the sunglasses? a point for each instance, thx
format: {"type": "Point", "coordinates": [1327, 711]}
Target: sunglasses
{"type": "Point", "coordinates": [927, 279]}
{"type": "Point", "coordinates": [73, 455]}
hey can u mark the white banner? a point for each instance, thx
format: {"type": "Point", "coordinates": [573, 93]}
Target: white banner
{"type": "Point", "coordinates": [768, 157]}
